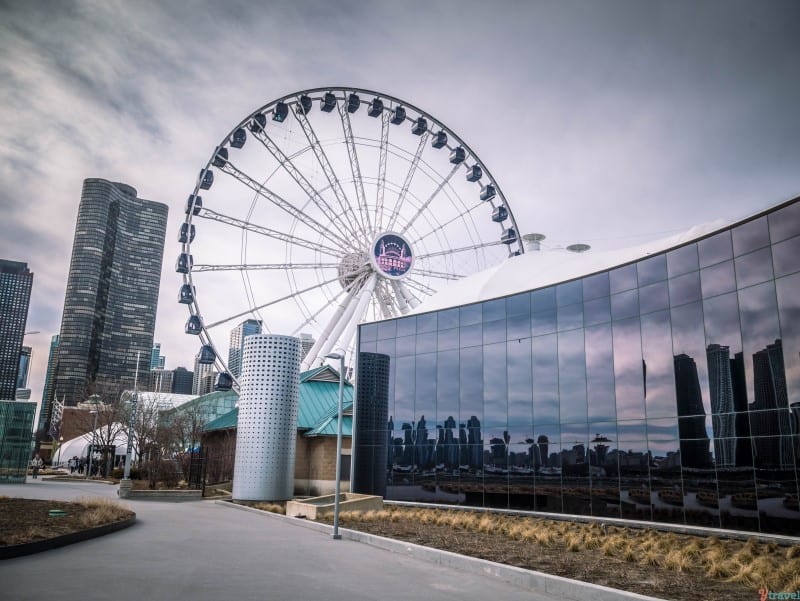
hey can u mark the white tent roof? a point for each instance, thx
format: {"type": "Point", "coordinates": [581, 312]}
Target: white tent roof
{"type": "Point", "coordinates": [80, 445]}
{"type": "Point", "coordinates": [537, 269]}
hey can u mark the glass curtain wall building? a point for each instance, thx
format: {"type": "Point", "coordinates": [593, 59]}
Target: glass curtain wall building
{"type": "Point", "coordinates": [664, 389]}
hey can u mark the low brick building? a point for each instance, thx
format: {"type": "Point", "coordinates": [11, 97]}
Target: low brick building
{"type": "Point", "coordinates": [315, 449]}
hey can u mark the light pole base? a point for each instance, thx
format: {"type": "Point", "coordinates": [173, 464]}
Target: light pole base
{"type": "Point", "coordinates": [336, 536]}
{"type": "Point", "coordinates": [125, 486]}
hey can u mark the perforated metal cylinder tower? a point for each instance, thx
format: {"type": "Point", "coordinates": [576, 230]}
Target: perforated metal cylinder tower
{"type": "Point", "coordinates": [265, 437]}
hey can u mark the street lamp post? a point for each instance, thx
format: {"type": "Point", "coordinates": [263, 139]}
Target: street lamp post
{"type": "Point", "coordinates": [60, 442]}
{"type": "Point", "coordinates": [125, 485]}
{"type": "Point", "coordinates": [336, 500]}
{"type": "Point", "coordinates": [91, 450]}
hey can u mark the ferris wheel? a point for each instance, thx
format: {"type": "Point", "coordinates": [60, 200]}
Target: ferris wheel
{"type": "Point", "coordinates": [329, 207]}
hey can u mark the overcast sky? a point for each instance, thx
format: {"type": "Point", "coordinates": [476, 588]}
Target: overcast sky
{"type": "Point", "coordinates": [607, 122]}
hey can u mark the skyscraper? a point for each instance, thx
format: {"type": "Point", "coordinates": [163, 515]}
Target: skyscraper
{"type": "Point", "coordinates": [182, 381]}
{"type": "Point", "coordinates": [49, 382]}
{"type": "Point", "coordinates": [203, 380]}
{"type": "Point", "coordinates": [16, 281]}
{"type": "Point", "coordinates": [723, 418]}
{"type": "Point", "coordinates": [157, 360]}
{"type": "Point", "coordinates": [112, 290]}
{"type": "Point", "coordinates": [691, 414]}
{"type": "Point", "coordinates": [236, 347]}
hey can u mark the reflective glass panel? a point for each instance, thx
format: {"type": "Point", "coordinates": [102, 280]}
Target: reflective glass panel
{"type": "Point", "coordinates": [520, 382]}
{"type": "Point", "coordinates": [572, 376]}
{"type": "Point", "coordinates": [426, 343]}
{"type": "Point", "coordinates": [426, 322]}
{"type": "Point", "coordinates": [406, 345]}
{"type": "Point", "coordinates": [470, 314]}
{"type": "Point", "coordinates": [470, 335]}
{"type": "Point", "coordinates": [597, 311]}
{"type": "Point", "coordinates": [386, 347]}
{"type": "Point", "coordinates": [786, 256]}
{"type": "Point", "coordinates": [760, 337]}
{"type": "Point", "coordinates": [601, 403]}
{"type": "Point", "coordinates": [718, 279]}
{"type": "Point", "coordinates": [689, 350]}
{"type": "Point", "coordinates": [623, 278]}
{"type": "Point", "coordinates": [518, 326]}
{"type": "Point", "coordinates": [570, 317]}
{"type": "Point", "coordinates": [447, 339]}
{"type": "Point", "coordinates": [448, 319]}
{"type": "Point", "coordinates": [596, 286]}
{"type": "Point", "coordinates": [628, 369]}
{"type": "Point", "coordinates": [569, 293]}
{"type": "Point", "coordinates": [425, 393]}
{"type": "Point", "coordinates": [447, 387]}
{"type": "Point", "coordinates": [784, 223]}
{"type": "Point", "coordinates": [789, 312]}
{"type": "Point", "coordinates": [715, 249]}
{"type": "Point", "coordinates": [494, 309]}
{"type": "Point", "coordinates": [494, 331]}
{"type": "Point", "coordinates": [659, 376]}
{"type": "Point", "coordinates": [387, 329]}
{"type": "Point", "coordinates": [544, 300]}
{"type": "Point", "coordinates": [653, 269]}
{"type": "Point", "coordinates": [407, 326]}
{"type": "Point", "coordinates": [684, 289]}
{"type": "Point", "coordinates": [495, 392]}
{"type": "Point", "coordinates": [404, 390]}
{"type": "Point", "coordinates": [519, 304]}
{"type": "Point", "coordinates": [625, 304]}
{"type": "Point", "coordinates": [368, 332]}
{"type": "Point", "coordinates": [653, 297]}
{"type": "Point", "coordinates": [544, 323]}
{"type": "Point", "coordinates": [471, 383]}
{"type": "Point", "coordinates": [545, 379]}
{"type": "Point", "coordinates": [750, 236]}
{"type": "Point", "coordinates": [754, 268]}
{"type": "Point", "coordinates": [682, 260]}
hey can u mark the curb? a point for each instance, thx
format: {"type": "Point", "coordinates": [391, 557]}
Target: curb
{"type": "Point", "coordinates": [557, 586]}
{"type": "Point", "coordinates": [38, 546]}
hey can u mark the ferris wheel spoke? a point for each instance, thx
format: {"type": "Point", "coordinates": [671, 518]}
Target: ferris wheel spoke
{"type": "Point", "coordinates": [453, 251]}
{"type": "Point", "coordinates": [355, 168]}
{"type": "Point", "coordinates": [412, 169]}
{"type": "Point", "coordinates": [384, 148]}
{"type": "Point", "coordinates": [270, 233]}
{"type": "Point", "coordinates": [263, 266]}
{"type": "Point", "coordinates": [418, 286]}
{"type": "Point", "coordinates": [284, 205]}
{"type": "Point", "coordinates": [330, 174]}
{"type": "Point", "coordinates": [270, 303]}
{"type": "Point", "coordinates": [289, 166]}
{"type": "Point", "coordinates": [430, 199]}
{"type": "Point", "coordinates": [438, 274]}
{"type": "Point", "coordinates": [346, 328]}
{"type": "Point", "coordinates": [442, 226]}
{"type": "Point", "coordinates": [399, 298]}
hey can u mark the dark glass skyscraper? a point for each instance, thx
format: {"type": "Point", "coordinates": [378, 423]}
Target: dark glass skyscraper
{"type": "Point", "coordinates": [112, 290]}
{"type": "Point", "coordinates": [16, 281]}
{"type": "Point", "coordinates": [49, 382]}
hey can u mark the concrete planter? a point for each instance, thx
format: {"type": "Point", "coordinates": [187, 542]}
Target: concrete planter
{"type": "Point", "coordinates": [318, 507]}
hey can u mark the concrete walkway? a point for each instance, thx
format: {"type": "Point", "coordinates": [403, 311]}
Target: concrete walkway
{"type": "Point", "coordinates": [203, 551]}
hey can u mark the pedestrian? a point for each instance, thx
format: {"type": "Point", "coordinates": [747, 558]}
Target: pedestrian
{"type": "Point", "coordinates": [36, 464]}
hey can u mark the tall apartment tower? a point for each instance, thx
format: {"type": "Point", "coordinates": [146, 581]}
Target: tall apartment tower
{"type": "Point", "coordinates": [16, 282]}
{"type": "Point", "coordinates": [157, 360]}
{"type": "Point", "coordinates": [49, 384]}
{"type": "Point", "coordinates": [236, 346]}
{"type": "Point", "coordinates": [182, 380]}
{"type": "Point", "coordinates": [203, 379]}
{"type": "Point", "coordinates": [112, 290]}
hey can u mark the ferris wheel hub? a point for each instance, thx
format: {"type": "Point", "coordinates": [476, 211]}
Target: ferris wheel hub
{"type": "Point", "coordinates": [351, 267]}
{"type": "Point", "coordinates": [391, 256]}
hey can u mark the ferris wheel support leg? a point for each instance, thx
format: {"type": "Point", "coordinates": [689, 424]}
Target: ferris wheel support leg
{"type": "Point", "coordinates": [408, 295]}
{"type": "Point", "coordinates": [354, 313]}
{"type": "Point", "coordinates": [350, 331]}
{"type": "Point", "coordinates": [398, 294]}
{"type": "Point", "coordinates": [323, 337]}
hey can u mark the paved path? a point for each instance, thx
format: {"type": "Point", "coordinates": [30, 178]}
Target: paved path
{"type": "Point", "coordinates": [202, 551]}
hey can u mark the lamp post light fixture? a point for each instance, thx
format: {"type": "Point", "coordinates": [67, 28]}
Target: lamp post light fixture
{"type": "Point", "coordinates": [340, 357]}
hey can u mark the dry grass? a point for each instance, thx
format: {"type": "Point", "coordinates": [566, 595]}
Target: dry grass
{"type": "Point", "coordinates": [271, 507]}
{"type": "Point", "coordinates": [755, 565]}
{"type": "Point", "coordinates": [101, 511]}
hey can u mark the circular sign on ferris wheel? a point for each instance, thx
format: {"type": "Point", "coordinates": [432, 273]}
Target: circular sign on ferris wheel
{"type": "Point", "coordinates": [391, 256]}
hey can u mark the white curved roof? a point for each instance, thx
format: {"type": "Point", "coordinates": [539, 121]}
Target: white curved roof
{"type": "Point", "coordinates": [539, 268]}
